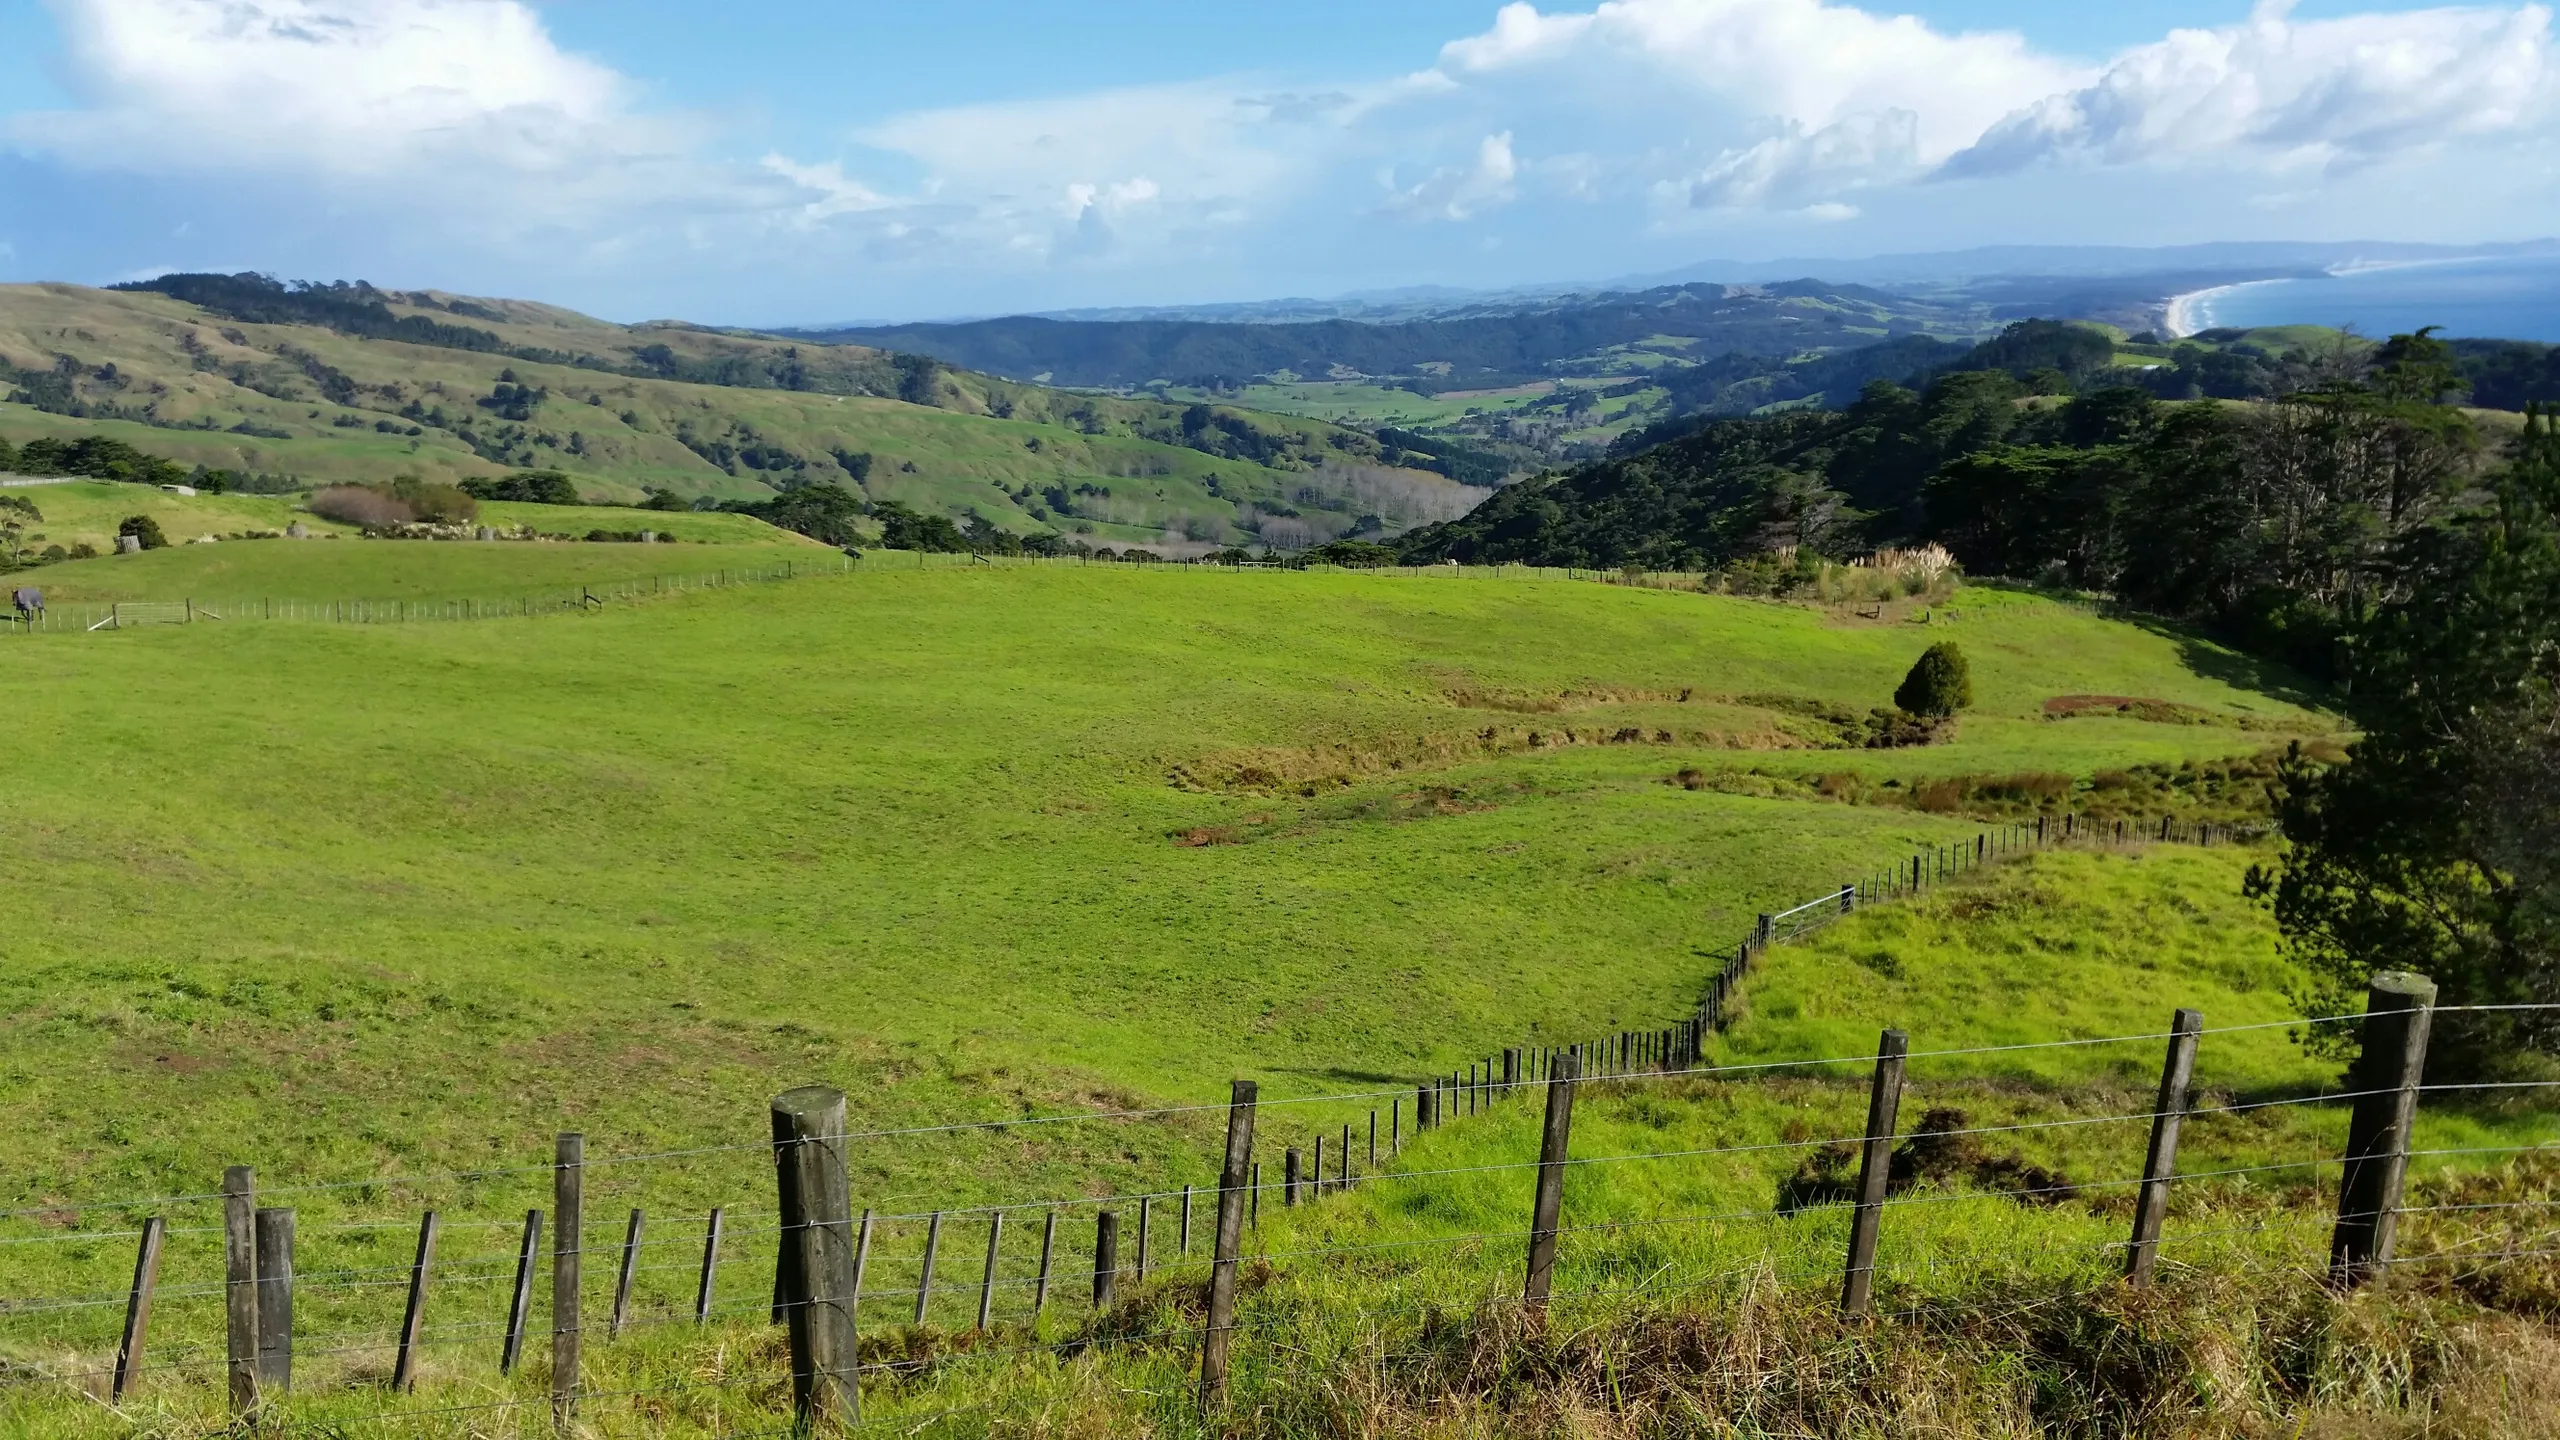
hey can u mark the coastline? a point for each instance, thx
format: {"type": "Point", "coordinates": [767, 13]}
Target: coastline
{"type": "Point", "coordinates": [2193, 311]}
{"type": "Point", "coordinates": [2186, 314]}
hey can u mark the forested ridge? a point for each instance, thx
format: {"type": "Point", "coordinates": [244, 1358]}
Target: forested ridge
{"type": "Point", "coordinates": [2270, 521]}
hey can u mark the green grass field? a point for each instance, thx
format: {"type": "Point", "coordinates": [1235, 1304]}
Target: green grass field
{"type": "Point", "coordinates": [89, 512]}
{"type": "Point", "coordinates": [854, 804]}
{"type": "Point", "coordinates": [241, 574]}
{"type": "Point", "coordinates": [983, 844]}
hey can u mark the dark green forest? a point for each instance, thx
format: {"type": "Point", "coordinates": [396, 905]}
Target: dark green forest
{"type": "Point", "coordinates": [349, 309]}
{"type": "Point", "coordinates": [2267, 521]}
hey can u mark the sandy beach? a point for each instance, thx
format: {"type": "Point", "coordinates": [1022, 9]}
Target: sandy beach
{"type": "Point", "coordinates": [2186, 314]}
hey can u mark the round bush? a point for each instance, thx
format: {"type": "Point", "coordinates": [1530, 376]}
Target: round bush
{"type": "Point", "coordinates": [147, 529]}
{"type": "Point", "coordinates": [1939, 685]}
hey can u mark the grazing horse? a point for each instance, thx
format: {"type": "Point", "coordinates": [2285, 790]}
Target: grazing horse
{"type": "Point", "coordinates": [30, 602]}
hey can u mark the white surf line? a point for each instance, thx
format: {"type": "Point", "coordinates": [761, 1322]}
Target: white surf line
{"type": "Point", "coordinates": [2193, 311]}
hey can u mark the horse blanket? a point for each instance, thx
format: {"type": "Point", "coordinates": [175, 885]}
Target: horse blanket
{"type": "Point", "coordinates": [28, 599]}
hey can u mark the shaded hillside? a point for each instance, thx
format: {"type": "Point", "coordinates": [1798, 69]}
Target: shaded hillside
{"type": "Point", "coordinates": [1461, 351]}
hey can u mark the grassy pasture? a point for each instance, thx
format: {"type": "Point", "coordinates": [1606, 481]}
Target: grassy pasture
{"type": "Point", "coordinates": [1352, 1297]}
{"type": "Point", "coordinates": [970, 843]}
{"type": "Point", "coordinates": [840, 813]}
{"type": "Point", "coordinates": [685, 527]}
{"type": "Point", "coordinates": [90, 511]}
{"type": "Point", "coordinates": [247, 571]}
{"type": "Point", "coordinates": [187, 382]}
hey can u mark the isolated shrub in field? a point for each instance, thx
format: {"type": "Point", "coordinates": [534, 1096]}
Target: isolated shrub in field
{"type": "Point", "coordinates": [435, 502]}
{"type": "Point", "coordinates": [406, 500]}
{"type": "Point", "coordinates": [360, 505]}
{"type": "Point", "coordinates": [1895, 729]}
{"type": "Point", "coordinates": [1939, 685]}
{"type": "Point", "coordinates": [146, 529]}
{"type": "Point", "coordinates": [532, 487]}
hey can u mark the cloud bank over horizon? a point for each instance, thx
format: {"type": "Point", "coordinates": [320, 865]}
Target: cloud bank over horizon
{"type": "Point", "coordinates": [461, 138]}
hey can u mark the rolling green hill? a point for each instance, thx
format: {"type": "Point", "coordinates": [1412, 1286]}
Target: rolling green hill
{"type": "Point", "coordinates": [995, 842]}
{"type": "Point", "coordinates": [88, 512]}
{"type": "Point", "coordinates": [449, 388]}
{"type": "Point", "coordinates": [1303, 823]}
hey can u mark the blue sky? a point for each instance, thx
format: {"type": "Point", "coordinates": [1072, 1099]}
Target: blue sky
{"type": "Point", "coordinates": [797, 162]}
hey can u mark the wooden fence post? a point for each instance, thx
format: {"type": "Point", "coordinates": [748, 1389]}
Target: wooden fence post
{"type": "Point", "coordinates": [1106, 1259]}
{"type": "Point", "coordinates": [137, 1308]}
{"type": "Point", "coordinates": [1289, 1178]}
{"type": "Point", "coordinates": [275, 1301]}
{"type": "Point", "coordinates": [1342, 1167]}
{"type": "Point", "coordinates": [521, 1299]}
{"type": "Point", "coordinates": [1548, 1209]}
{"type": "Point", "coordinates": [987, 1282]}
{"type": "Point", "coordinates": [2160, 1163]}
{"type": "Point", "coordinates": [2399, 1011]}
{"type": "Point", "coordinates": [1048, 1252]}
{"type": "Point", "coordinates": [817, 1221]}
{"type": "Point", "coordinates": [240, 1285]}
{"type": "Point", "coordinates": [622, 1281]}
{"type": "Point", "coordinates": [932, 1252]}
{"type": "Point", "coordinates": [1875, 1163]}
{"type": "Point", "coordinates": [861, 1271]}
{"type": "Point", "coordinates": [568, 1250]}
{"type": "Point", "coordinates": [710, 1266]}
{"type": "Point", "coordinates": [1510, 1070]}
{"type": "Point", "coordinates": [413, 1316]}
{"type": "Point", "coordinates": [1186, 1220]}
{"type": "Point", "coordinates": [1146, 1224]}
{"type": "Point", "coordinates": [1227, 1245]}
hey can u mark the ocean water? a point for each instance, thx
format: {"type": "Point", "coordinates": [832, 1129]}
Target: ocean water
{"type": "Point", "coordinates": [2504, 298]}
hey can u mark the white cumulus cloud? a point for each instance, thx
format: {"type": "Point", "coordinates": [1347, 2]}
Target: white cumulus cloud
{"type": "Point", "coordinates": [1797, 167]}
{"type": "Point", "coordinates": [1463, 192]}
{"type": "Point", "coordinates": [435, 95]}
{"type": "Point", "coordinates": [1567, 133]}
{"type": "Point", "coordinates": [2282, 93]}
{"type": "Point", "coordinates": [1802, 62]}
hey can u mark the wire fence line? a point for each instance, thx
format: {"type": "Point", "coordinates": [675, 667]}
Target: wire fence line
{"type": "Point", "coordinates": [974, 1279]}
{"type": "Point", "coordinates": [981, 1279]}
{"type": "Point", "coordinates": [95, 616]}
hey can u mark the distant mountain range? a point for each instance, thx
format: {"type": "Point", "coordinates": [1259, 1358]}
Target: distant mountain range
{"type": "Point", "coordinates": [1997, 273]}
{"type": "Point", "coordinates": [1459, 347]}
